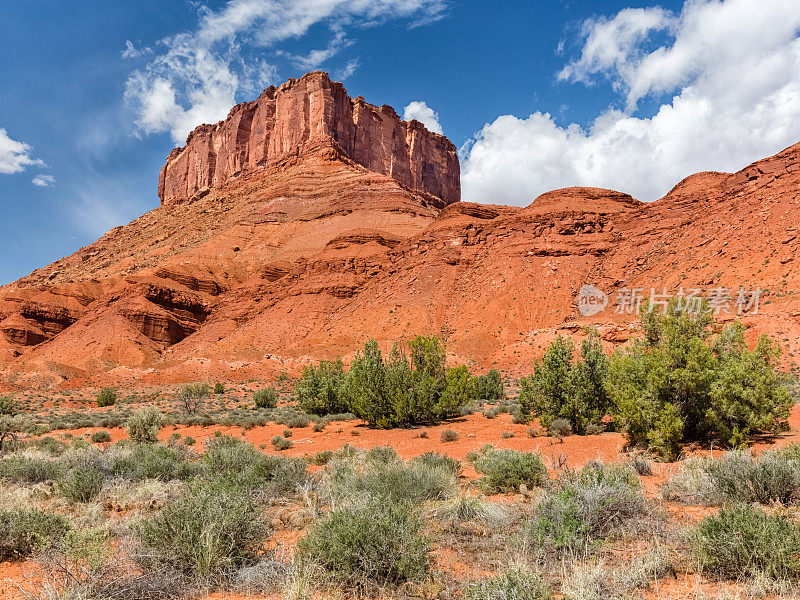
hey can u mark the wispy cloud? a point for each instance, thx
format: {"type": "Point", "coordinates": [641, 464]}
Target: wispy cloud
{"type": "Point", "coordinates": [131, 51]}
{"type": "Point", "coordinates": [44, 181]}
{"type": "Point", "coordinates": [15, 156]}
{"type": "Point", "coordinates": [195, 76]}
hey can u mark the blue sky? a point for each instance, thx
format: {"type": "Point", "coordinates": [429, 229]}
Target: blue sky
{"type": "Point", "coordinates": [537, 94]}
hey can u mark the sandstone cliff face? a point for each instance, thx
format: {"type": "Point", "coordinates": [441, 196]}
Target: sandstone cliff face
{"type": "Point", "coordinates": [298, 117]}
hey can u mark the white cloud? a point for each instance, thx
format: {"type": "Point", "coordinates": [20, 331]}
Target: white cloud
{"type": "Point", "coordinates": [420, 111]}
{"type": "Point", "coordinates": [732, 66]}
{"type": "Point", "coordinates": [15, 156]}
{"type": "Point", "coordinates": [131, 51]}
{"type": "Point", "coordinates": [198, 75]}
{"type": "Point", "coordinates": [347, 70]}
{"type": "Point", "coordinates": [44, 181]}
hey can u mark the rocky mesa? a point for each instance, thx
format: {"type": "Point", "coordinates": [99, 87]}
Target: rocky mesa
{"type": "Point", "coordinates": [298, 117]}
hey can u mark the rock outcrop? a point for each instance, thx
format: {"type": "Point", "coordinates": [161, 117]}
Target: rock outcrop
{"type": "Point", "coordinates": [298, 117]}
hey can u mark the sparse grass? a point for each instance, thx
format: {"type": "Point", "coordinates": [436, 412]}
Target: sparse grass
{"type": "Point", "coordinates": [738, 477]}
{"type": "Point", "coordinates": [466, 507]}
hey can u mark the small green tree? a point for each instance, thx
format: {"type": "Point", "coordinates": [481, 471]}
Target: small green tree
{"type": "Point", "coordinates": [487, 388]}
{"type": "Point", "coordinates": [319, 390]}
{"type": "Point", "coordinates": [144, 425]}
{"type": "Point", "coordinates": [564, 388]}
{"type": "Point", "coordinates": [676, 386]}
{"type": "Point", "coordinates": [394, 391]}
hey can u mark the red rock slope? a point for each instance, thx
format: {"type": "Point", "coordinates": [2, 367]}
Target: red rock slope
{"type": "Point", "coordinates": [311, 253]}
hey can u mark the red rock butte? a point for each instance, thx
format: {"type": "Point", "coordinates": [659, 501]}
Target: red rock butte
{"type": "Point", "coordinates": [306, 223]}
{"type": "Point", "coordinates": [299, 117]}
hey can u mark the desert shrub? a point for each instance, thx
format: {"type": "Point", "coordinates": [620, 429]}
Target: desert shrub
{"type": "Point", "coordinates": [321, 458]}
{"type": "Point", "coordinates": [595, 429]}
{"type": "Point", "coordinates": [738, 477]}
{"type": "Point", "coordinates": [28, 469]}
{"type": "Point", "coordinates": [487, 388]}
{"type": "Point", "coordinates": [465, 507]}
{"type": "Point", "coordinates": [588, 506]}
{"type": "Point", "coordinates": [503, 471]}
{"type": "Point", "coordinates": [219, 388]}
{"type": "Point", "coordinates": [676, 386]}
{"type": "Point", "coordinates": [516, 583]}
{"type": "Point", "coordinates": [293, 419]}
{"type": "Point", "coordinates": [81, 484]}
{"type": "Point", "coordinates": [320, 426]}
{"type": "Point", "coordinates": [238, 463]}
{"type": "Point", "coordinates": [393, 480]}
{"type": "Point", "coordinates": [560, 428]}
{"type": "Point", "coordinates": [381, 454]}
{"type": "Point", "coordinates": [564, 388]}
{"type": "Point", "coordinates": [107, 397]}
{"type": "Point", "coordinates": [144, 425]}
{"type": "Point", "coordinates": [7, 406]}
{"type": "Point", "coordinates": [151, 461]}
{"type": "Point", "coordinates": [191, 396]}
{"type": "Point", "coordinates": [99, 437]}
{"type": "Point", "coordinates": [374, 543]}
{"type": "Point", "coordinates": [209, 529]}
{"type": "Point", "coordinates": [266, 398]}
{"type": "Point", "coordinates": [745, 541]}
{"type": "Point", "coordinates": [641, 464]}
{"type": "Point", "coordinates": [23, 532]}
{"type": "Point", "coordinates": [10, 423]}
{"type": "Point", "coordinates": [50, 445]}
{"type": "Point", "coordinates": [281, 443]}
{"type": "Point", "coordinates": [448, 435]}
{"type": "Point", "coordinates": [319, 389]}
{"type": "Point", "coordinates": [442, 461]}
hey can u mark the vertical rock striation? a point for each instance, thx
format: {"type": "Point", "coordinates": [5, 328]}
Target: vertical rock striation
{"type": "Point", "coordinates": [303, 115]}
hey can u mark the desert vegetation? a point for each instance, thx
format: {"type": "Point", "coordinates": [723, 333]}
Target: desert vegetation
{"type": "Point", "coordinates": [137, 508]}
{"type": "Point", "coordinates": [402, 388]}
{"type": "Point", "coordinates": [680, 382]}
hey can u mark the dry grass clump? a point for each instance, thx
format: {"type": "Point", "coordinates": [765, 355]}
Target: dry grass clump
{"type": "Point", "coordinates": [739, 477]}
